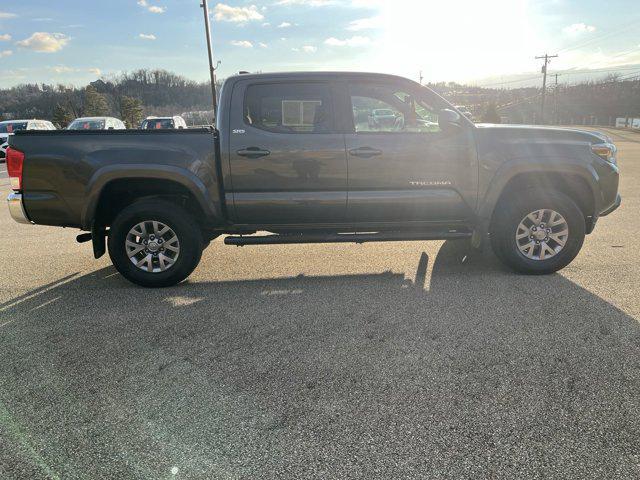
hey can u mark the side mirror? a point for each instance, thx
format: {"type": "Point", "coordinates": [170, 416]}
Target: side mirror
{"type": "Point", "coordinates": [448, 118]}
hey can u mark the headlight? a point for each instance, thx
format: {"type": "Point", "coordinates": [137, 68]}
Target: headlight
{"type": "Point", "coordinates": [606, 151]}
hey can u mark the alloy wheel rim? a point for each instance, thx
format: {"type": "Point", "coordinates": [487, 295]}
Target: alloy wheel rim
{"type": "Point", "coordinates": [152, 246]}
{"type": "Point", "coordinates": [542, 234]}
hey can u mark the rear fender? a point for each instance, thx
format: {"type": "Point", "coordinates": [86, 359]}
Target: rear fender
{"type": "Point", "coordinates": [187, 179]}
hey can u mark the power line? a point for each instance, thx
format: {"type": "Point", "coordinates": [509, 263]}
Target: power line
{"type": "Point", "coordinates": [484, 85]}
{"type": "Point", "coordinates": [598, 70]}
{"type": "Point", "coordinates": [585, 71]}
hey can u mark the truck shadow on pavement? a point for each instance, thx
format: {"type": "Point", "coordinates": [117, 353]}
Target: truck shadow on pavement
{"type": "Point", "coordinates": [472, 373]}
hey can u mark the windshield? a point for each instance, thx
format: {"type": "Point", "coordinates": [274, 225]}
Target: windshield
{"type": "Point", "coordinates": [12, 127]}
{"type": "Point", "coordinates": [157, 124]}
{"type": "Point", "coordinates": [87, 125]}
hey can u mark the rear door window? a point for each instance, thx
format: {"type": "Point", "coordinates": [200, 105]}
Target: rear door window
{"type": "Point", "coordinates": [289, 108]}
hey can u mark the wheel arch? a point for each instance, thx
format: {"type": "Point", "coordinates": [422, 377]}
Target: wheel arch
{"type": "Point", "coordinates": [114, 187]}
{"type": "Point", "coordinates": [576, 180]}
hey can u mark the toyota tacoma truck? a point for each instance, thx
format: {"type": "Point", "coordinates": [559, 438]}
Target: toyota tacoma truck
{"type": "Point", "coordinates": [294, 160]}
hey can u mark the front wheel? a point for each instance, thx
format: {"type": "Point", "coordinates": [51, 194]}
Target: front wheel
{"type": "Point", "coordinates": [154, 243]}
{"type": "Point", "coordinates": [537, 232]}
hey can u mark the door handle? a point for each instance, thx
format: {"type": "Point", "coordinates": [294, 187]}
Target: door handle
{"type": "Point", "coordinates": [365, 152]}
{"type": "Point", "coordinates": [253, 152]}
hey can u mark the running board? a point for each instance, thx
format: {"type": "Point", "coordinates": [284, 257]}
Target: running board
{"type": "Point", "coordinates": [242, 241]}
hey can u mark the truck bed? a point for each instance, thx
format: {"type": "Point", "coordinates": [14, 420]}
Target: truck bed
{"type": "Point", "coordinates": [65, 171]}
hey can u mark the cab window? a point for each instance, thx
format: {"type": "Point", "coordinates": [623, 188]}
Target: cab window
{"type": "Point", "coordinates": [12, 127]}
{"type": "Point", "coordinates": [387, 109]}
{"type": "Point", "coordinates": [289, 108]}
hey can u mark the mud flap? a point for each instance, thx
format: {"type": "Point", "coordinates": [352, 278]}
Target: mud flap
{"type": "Point", "coordinates": [98, 238]}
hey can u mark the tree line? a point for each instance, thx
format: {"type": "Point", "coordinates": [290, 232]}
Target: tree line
{"type": "Point", "coordinates": [135, 95]}
{"type": "Point", "coordinates": [130, 97]}
{"type": "Point", "coordinates": [594, 102]}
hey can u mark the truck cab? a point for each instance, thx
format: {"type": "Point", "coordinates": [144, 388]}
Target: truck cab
{"type": "Point", "coordinates": [302, 150]}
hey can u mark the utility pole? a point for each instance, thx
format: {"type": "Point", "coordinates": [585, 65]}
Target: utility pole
{"type": "Point", "coordinates": [555, 95]}
{"type": "Point", "coordinates": [212, 69]}
{"type": "Point", "coordinates": [421, 77]}
{"type": "Point", "coordinates": [546, 58]}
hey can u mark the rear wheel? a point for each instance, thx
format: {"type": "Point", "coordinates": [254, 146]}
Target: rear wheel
{"type": "Point", "coordinates": [154, 243]}
{"type": "Point", "coordinates": [537, 232]}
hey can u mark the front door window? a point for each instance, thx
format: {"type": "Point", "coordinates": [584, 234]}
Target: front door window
{"type": "Point", "coordinates": [389, 110]}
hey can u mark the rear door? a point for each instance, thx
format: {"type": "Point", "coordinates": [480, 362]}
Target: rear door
{"type": "Point", "coordinates": [407, 169]}
{"type": "Point", "coordinates": [288, 163]}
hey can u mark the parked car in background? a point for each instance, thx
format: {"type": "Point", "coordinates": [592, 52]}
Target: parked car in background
{"type": "Point", "coordinates": [97, 123]}
{"type": "Point", "coordinates": [163, 123]}
{"type": "Point", "coordinates": [381, 118]}
{"type": "Point", "coordinates": [9, 127]}
{"type": "Point", "coordinates": [465, 111]}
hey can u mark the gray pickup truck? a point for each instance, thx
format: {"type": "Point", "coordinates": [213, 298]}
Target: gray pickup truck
{"type": "Point", "coordinates": [294, 156]}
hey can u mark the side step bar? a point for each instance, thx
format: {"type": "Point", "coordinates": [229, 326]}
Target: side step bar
{"type": "Point", "coordinates": [242, 241]}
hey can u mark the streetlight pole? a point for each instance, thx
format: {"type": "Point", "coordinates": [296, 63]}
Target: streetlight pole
{"type": "Point", "coordinates": [212, 68]}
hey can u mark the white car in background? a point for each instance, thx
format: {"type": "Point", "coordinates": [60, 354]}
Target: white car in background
{"type": "Point", "coordinates": [97, 123]}
{"type": "Point", "coordinates": [9, 127]}
{"type": "Point", "coordinates": [163, 123]}
{"type": "Point", "coordinates": [465, 111]}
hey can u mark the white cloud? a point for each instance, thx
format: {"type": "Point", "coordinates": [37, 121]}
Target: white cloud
{"type": "Point", "coordinates": [5, 53]}
{"type": "Point", "coordinates": [7, 15]}
{"type": "Point", "coordinates": [151, 8]}
{"type": "Point", "coordinates": [147, 36]}
{"type": "Point", "coordinates": [242, 43]}
{"type": "Point", "coordinates": [309, 49]}
{"type": "Point", "coordinates": [310, 3]}
{"type": "Point", "coordinates": [45, 42]}
{"type": "Point", "coordinates": [578, 28]}
{"type": "Point", "coordinates": [365, 24]}
{"type": "Point", "coordinates": [226, 13]}
{"type": "Point", "coordinates": [263, 45]}
{"type": "Point", "coordinates": [356, 41]}
{"type": "Point", "coordinates": [284, 25]}
{"type": "Point", "coordinates": [62, 69]}
{"type": "Point", "coordinates": [5, 38]}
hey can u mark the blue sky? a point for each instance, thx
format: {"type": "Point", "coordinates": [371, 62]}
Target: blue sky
{"type": "Point", "coordinates": [73, 41]}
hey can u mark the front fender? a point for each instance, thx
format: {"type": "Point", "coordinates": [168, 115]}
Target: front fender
{"type": "Point", "coordinates": [102, 177]}
{"type": "Point", "coordinates": [545, 165]}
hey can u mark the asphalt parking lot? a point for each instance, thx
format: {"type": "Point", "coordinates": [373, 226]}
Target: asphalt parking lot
{"type": "Point", "coordinates": [382, 361]}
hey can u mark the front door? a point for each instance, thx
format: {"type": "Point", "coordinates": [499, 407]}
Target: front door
{"type": "Point", "coordinates": [403, 167]}
{"type": "Point", "coordinates": [288, 164]}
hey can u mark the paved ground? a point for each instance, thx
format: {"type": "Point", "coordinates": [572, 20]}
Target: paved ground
{"type": "Point", "coordinates": [411, 360]}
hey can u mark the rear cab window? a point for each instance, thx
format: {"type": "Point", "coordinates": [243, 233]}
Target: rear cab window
{"type": "Point", "coordinates": [289, 108]}
{"type": "Point", "coordinates": [158, 124]}
{"type": "Point", "coordinates": [12, 127]}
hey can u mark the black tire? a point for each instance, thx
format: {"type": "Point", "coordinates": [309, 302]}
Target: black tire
{"type": "Point", "coordinates": [169, 214]}
{"type": "Point", "coordinates": [513, 209]}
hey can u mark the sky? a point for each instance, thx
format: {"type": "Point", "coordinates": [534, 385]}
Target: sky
{"type": "Point", "coordinates": [74, 42]}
